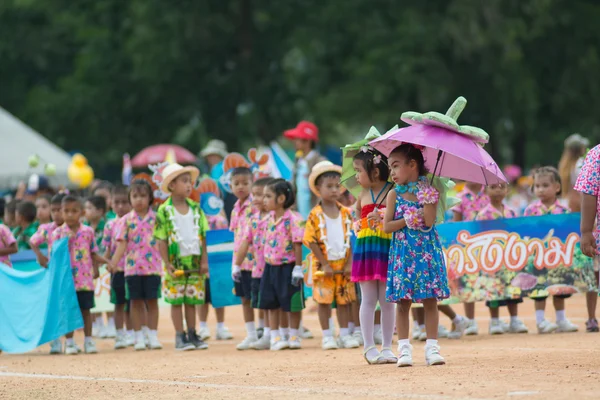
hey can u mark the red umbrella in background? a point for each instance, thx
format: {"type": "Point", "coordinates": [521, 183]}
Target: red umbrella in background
{"type": "Point", "coordinates": [158, 153]}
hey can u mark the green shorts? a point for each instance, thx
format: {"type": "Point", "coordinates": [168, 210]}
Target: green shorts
{"type": "Point", "coordinates": [186, 289]}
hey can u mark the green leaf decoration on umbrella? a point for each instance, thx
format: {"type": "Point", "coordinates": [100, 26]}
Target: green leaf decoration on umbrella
{"type": "Point", "coordinates": [446, 202]}
{"type": "Point", "coordinates": [348, 153]}
{"type": "Point", "coordinates": [447, 121]}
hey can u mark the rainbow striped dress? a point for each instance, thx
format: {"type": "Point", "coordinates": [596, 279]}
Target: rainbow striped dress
{"type": "Point", "coordinates": [370, 257]}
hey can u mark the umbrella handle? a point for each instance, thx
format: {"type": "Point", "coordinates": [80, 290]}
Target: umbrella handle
{"type": "Point", "coordinates": [439, 156]}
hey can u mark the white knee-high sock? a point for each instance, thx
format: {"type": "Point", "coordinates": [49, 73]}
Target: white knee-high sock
{"type": "Point", "coordinates": [367, 311]}
{"type": "Point", "coordinates": [388, 316]}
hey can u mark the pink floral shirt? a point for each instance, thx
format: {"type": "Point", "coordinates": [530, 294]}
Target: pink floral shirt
{"type": "Point", "coordinates": [43, 235]}
{"type": "Point", "coordinates": [470, 203]}
{"type": "Point", "coordinates": [142, 256]}
{"type": "Point", "coordinates": [588, 181]}
{"type": "Point", "coordinates": [217, 222]}
{"type": "Point", "coordinates": [7, 239]}
{"type": "Point", "coordinates": [280, 236]}
{"type": "Point", "coordinates": [82, 245]}
{"type": "Point", "coordinates": [240, 217]}
{"type": "Point", "coordinates": [490, 212]}
{"type": "Point", "coordinates": [255, 232]}
{"type": "Point", "coordinates": [110, 243]}
{"type": "Point", "coordinates": [538, 208]}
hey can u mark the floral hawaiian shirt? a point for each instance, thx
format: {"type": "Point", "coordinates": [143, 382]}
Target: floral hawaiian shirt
{"type": "Point", "coordinates": [280, 237]}
{"type": "Point", "coordinates": [41, 238]}
{"type": "Point", "coordinates": [240, 217]}
{"type": "Point", "coordinates": [6, 240]}
{"type": "Point", "coordinates": [490, 212]}
{"type": "Point", "coordinates": [217, 222]}
{"type": "Point", "coordinates": [255, 232]}
{"type": "Point", "coordinates": [470, 203]}
{"type": "Point", "coordinates": [538, 208]}
{"type": "Point", "coordinates": [82, 245]}
{"type": "Point", "coordinates": [142, 256]}
{"type": "Point", "coordinates": [588, 181]}
{"type": "Point", "coordinates": [110, 242]}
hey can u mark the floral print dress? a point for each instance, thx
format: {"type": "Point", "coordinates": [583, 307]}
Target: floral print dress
{"type": "Point", "coordinates": [416, 268]}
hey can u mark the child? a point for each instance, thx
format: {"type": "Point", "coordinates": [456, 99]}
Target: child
{"type": "Point", "coordinates": [26, 225]}
{"type": "Point", "coordinates": [253, 238]}
{"type": "Point", "coordinates": [472, 200]}
{"type": "Point", "coordinates": [10, 214]}
{"type": "Point", "coordinates": [143, 266]}
{"type": "Point", "coordinates": [417, 272]}
{"type": "Point", "coordinates": [497, 210]}
{"type": "Point", "coordinates": [42, 204]}
{"type": "Point", "coordinates": [121, 206]}
{"type": "Point", "coordinates": [104, 189]}
{"type": "Point", "coordinates": [8, 245]}
{"type": "Point", "coordinates": [547, 188]}
{"type": "Point", "coordinates": [370, 257]}
{"type": "Point", "coordinates": [84, 257]}
{"type": "Point", "coordinates": [281, 283]}
{"type": "Point", "coordinates": [328, 233]}
{"type": "Point", "coordinates": [41, 238]}
{"type": "Point", "coordinates": [588, 184]}
{"type": "Point", "coordinates": [241, 181]}
{"type": "Point", "coordinates": [181, 231]}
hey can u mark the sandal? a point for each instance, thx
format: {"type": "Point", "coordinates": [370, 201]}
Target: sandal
{"type": "Point", "coordinates": [390, 359]}
{"type": "Point", "coordinates": [375, 360]}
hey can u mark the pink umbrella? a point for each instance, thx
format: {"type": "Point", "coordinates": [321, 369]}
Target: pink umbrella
{"type": "Point", "coordinates": [447, 150]}
{"type": "Point", "coordinates": [158, 153]}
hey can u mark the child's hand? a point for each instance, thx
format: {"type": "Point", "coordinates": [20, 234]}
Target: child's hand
{"type": "Point", "coordinates": [236, 273]}
{"type": "Point", "coordinates": [297, 275]}
{"type": "Point", "coordinates": [171, 270]}
{"type": "Point", "coordinates": [374, 219]}
{"type": "Point", "coordinates": [348, 272]}
{"type": "Point", "coordinates": [96, 273]}
{"type": "Point", "coordinates": [588, 244]}
{"type": "Point", "coordinates": [204, 268]}
{"type": "Point", "coordinates": [43, 261]}
{"type": "Point", "coordinates": [328, 270]}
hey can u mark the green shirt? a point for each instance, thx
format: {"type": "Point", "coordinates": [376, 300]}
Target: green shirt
{"type": "Point", "coordinates": [98, 234]}
{"type": "Point", "coordinates": [24, 235]}
{"type": "Point", "coordinates": [110, 215]}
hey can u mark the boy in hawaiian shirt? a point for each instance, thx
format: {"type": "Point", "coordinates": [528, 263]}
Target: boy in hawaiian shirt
{"type": "Point", "coordinates": [26, 225]}
{"type": "Point", "coordinates": [41, 239]}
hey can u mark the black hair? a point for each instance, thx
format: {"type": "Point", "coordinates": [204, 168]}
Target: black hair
{"type": "Point", "coordinates": [97, 201]}
{"type": "Point", "coordinates": [283, 187]}
{"type": "Point", "coordinates": [71, 199]}
{"type": "Point", "coordinates": [367, 159]}
{"type": "Point", "coordinates": [553, 172]}
{"type": "Point", "coordinates": [120, 190]}
{"type": "Point", "coordinates": [57, 199]}
{"type": "Point", "coordinates": [410, 153]}
{"type": "Point", "coordinates": [11, 207]}
{"type": "Point", "coordinates": [325, 175]}
{"type": "Point", "coordinates": [46, 197]}
{"type": "Point", "coordinates": [27, 210]}
{"type": "Point", "coordinates": [2, 206]}
{"type": "Point", "coordinates": [141, 185]}
{"type": "Point", "coordinates": [262, 181]}
{"type": "Point", "coordinates": [104, 185]}
{"type": "Point", "coordinates": [241, 171]}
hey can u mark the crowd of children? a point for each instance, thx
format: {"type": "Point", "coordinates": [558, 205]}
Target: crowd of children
{"type": "Point", "coordinates": [396, 259]}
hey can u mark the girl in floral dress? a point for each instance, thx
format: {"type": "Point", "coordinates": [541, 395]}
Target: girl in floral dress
{"type": "Point", "coordinates": [416, 270]}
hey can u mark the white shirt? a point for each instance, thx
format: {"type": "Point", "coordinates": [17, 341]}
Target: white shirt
{"type": "Point", "coordinates": [190, 244]}
{"type": "Point", "coordinates": [335, 238]}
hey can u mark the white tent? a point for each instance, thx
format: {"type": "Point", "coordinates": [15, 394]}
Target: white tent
{"type": "Point", "coordinates": [17, 143]}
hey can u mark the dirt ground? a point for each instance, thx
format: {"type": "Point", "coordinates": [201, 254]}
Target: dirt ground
{"type": "Point", "coordinates": [556, 366]}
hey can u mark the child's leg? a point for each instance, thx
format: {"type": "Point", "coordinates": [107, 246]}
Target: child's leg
{"type": "Point", "coordinates": [540, 308]}
{"type": "Point", "coordinates": [324, 311]}
{"type": "Point", "coordinates": [261, 319]}
{"type": "Point", "coordinates": [494, 312]}
{"type": "Point", "coordinates": [203, 314]}
{"type": "Point", "coordinates": [295, 318]}
{"type": "Point", "coordinates": [220, 313]}
{"type": "Point", "coordinates": [355, 314]}
{"type": "Point", "coordinates": [177, 317]}
{"type": "Point", "coordinates": [87, 323]}
{"type": "Point", "coordinates": [388, 319]}
{"type": "Point", "coordinates": [513, 309]}
{"type": "Point", "coordinates": [470, 310]}
{"type": "Point", "coordinates": [377, 320]}
{"type": "Point", "coordinates": [248, 310]}
{"type": "Point", "coordinates": [403, 319]}
{"type": "Point", "coordinates": [447, 311]}
{"type": "Point", "coordinates": [367, 313]}
{"type": "Point", "coordinates": [190, 316]}
{"type": "Point", "coordinates": [138, 310]}
{"type": "Point", "coordinates": [119, 316]}
{"type": "Point", "coordinates": [418, 316]}
{"type": "Point", "coordinates": [559, 306]}
{"type": "Point", "coordinates": [274, 323]}
{"type": "Point", "coordinates": [431, 318]}
{"type": "Point", "coordinates": [153, 314]}
{"type": "Point", "coordinates": [343, 317]}
{"type": "Point", "coordinates": [591, 300]}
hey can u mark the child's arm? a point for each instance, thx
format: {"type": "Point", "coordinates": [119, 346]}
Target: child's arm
{"type": "Point", "coordinates": [588, 216]}
{"type": "Point", "coordinates": [41, 258]}
{"type": "Point", "coordinates": [242, 251]}
{"type": "Point", "coordinates": [430, 213]}
{"type": "Point", "coordinates": [389, 225]}
{"type": "Point", "coordinates": [204, 258]}
{"type": "Point", "coordinates": [164, 254]}
{"type": "Point", "coordinates": [119, 254]}
{"type": "Point", "coordinates": [11, 249]}
{"type": "Point", "coordinates": [348, 266]}
{"type": "Point", "coordinates": [316, 250]}
{"type": "Point", "coordinates": [298, 252]}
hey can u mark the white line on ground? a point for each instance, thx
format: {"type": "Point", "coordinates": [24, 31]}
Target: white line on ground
{"type": "Point", "coordinates": [524, 393]}
{"type": "Point", "coordinates": [312, 390]}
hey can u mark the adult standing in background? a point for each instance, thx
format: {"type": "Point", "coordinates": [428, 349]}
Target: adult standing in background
{"type": "Point", "coordinates": [213, 155]}
{"type": "Point", "coordinates": [569, 166]}
{"type": "Point", "coordinates": [305, 137]}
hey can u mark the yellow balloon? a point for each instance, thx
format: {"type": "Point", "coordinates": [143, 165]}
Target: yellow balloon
{"type": "Point", "coordinates": [87, 177]}
{"type": "Point", "coordinates": [79, 160]}
{"type": "Point", "coordinates": [74, 173]}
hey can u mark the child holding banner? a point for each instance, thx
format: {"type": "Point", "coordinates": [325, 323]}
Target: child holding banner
{"type": "Point", "coordinates": [497, 210]}
{"type": "Point", "coordinates": [547, 188]}
{"type": "Point", "coordinates": [26, 224]}
{"type": "Point", "coordinates": [8, 245]}
{"type": "Point", "coordinates": [328, 234]}
{"type": "Point", "coordinates": [417, 271]}
{"type": "Point", "coordinates": [41, 239]}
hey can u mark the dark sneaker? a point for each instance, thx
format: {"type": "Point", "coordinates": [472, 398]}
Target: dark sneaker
{"type": "Point", "coordinates": [592, 325]}
{"type": "Point", "coordinates": [182, 343]}
{"type": "Point", "coordinates": [196, 341]}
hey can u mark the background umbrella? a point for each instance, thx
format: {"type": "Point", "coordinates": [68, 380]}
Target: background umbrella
{"type": "Point", "coordinates": [158, 153]}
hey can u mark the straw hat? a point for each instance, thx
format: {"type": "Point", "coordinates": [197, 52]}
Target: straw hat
{"type": "Point", "coordinates": [215, 146]}
{"type": "Point", "coordinates": [172, 171]}
{"type": "Point", "coordinates": [319, 169]}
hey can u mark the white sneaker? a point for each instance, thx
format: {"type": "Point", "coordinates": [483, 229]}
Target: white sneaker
{"type": "Point", "coordinates": [224, 334]}
{"type": "Point", "coordinates": [496, 328]}
{"type": "Point", "coordinates": [56, 346]}
{"type": "Point", "coordinates": [246, 343]}
{"type": "Point", "coordinates": [358, 336]}
{"type": "Point", "coordinates": [295, 343]}
{"type": "Point", "coordinates": [264, 343]}
{"type": "Point", "coordinates": [348, 342]}
{"type": "Point", "coordinates": [306, 334]}
{"type": "Point", "coordinates": [279, 344]}
{"type": "Point", "coordinates": [102, 332]}
{"type": "Point", "coordinates": [442, 332]}
{"type": "Point", "coordinates": [433, 356]}
{"type": "Point", "coordinates": [405, 356]}
{"type": "Point", "coordinates": [130, 340]}
{"type": "Point", "coordinates": [472, 328]}
{"type": "Point", "coordinates": [140, 345]}
{"type": "Point", "coordinates": [416, 332]}
{"type": "Point", "coordinates": [517, 326]}
{"type": "Point", "coordinates": [204, 333]}
{"type": "Point", "coordinates": [95, 330]}
{"type": "Point", "coordinates": [459, 328]}
{"type": "Point", "coordinates": [71, 349]}
{"type": "Point", "coordinates": [566, 326]}
{"type": "Point", "coordinates": [546, 327]}
{"type": "Point", "coordinates": [329, 343]}
{"type": "Point", "coordinates": [423, 336]}
{"type": "Point", "coordinates": [90, 347]}
{"type": "Point", "coordinates": [120, 342]}
{"type": "Point", "coordinates": [505, 326]}
{"type": "Point", "coordinates": [155, 344]}
{"type": "Point", "coordinates": [111, 332]}
{"type": "Point", "coordinates": [378, 336]}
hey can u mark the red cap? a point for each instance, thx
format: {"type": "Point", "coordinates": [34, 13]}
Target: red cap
{"type": "Point", "coordinates": [304, 130]}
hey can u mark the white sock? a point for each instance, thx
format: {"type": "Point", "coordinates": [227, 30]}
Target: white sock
{"type": "Point", "coordinates": [275, 334]}
{"type": "Point", "coordinates": [495, 319]}
{"type": "Point", "coordinates": [457, 319]}
{"type": "Point", "coordinates": [131, 333]}
{"type": "Point", "coordinates": [351, 327]}
{"type": "Point", "coordinates": [331, 323]}
{"type": "Point", "coordinates": [251, 330]}
{"type": "Point", "coordinates": [402, 342]}
{"type": "Point", "coordinates": [153, 333]}
{"type": "Point", "coordinates": [422, 327]}
{"type": "Point", "coordinates": [139, 336]}
{"type": "Point", "coordinates": [111, 322]}
{"type": "Point", "coordinates": [70, 342]}
{"type": "Point", "coordinates": [560, 315]}
{"type": "Point", "coordinates": [416, 324]}
{"type": "Point", "coordinates": [284, 331]}
{"type": "Point", "coordinates": [514, 319]}
{"type": "Point", "coordinates": [431, 342]}
{"type": "Point", "coordinates": [261, 323]}
{"type": "Point", "coordinates": [204, 324]}
{"type": "Point", "coordinates": [88, 339]}
{"type": "Point", "coordinates": [344, 332]}
{"type": "Point", "coordinates": [121, 332]}
{"type": "Point", "coordinates": [220, 325]}
{"type": "Point", "coordinates": [145, 329]}
{"type": "Point", "coordinates": [267, 332]}
{"type": "Point", "coordinates": [294, 332]}
{"type": "Point", "coordinates": [327, 333]}
{"type": "Point", "coordinates": [539, 316]}
{"type": "Point", "coordinates": [377, 328]}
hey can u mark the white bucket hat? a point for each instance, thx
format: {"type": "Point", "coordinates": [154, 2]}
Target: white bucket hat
{"type": "Point", "coordinates": [215, 146]}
